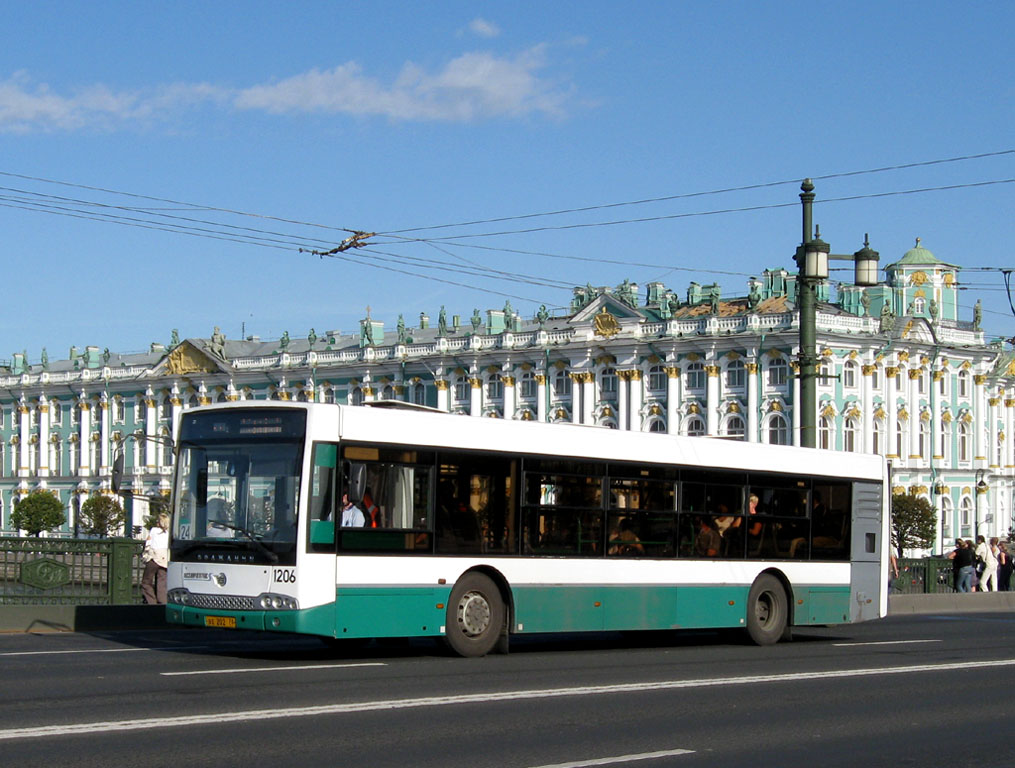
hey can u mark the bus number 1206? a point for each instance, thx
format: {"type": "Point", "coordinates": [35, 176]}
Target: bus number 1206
{"type": "Point", "coordinates": [285, 576]}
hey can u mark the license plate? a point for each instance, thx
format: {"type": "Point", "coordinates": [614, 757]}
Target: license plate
{"type": "Point", "coordinates": [220, 621]}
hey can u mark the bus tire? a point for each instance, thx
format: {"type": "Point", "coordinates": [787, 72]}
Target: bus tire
{"type": "Point", "coordinates": [475, 618]}
{"type": "Point", "coordinates": [767, 611]}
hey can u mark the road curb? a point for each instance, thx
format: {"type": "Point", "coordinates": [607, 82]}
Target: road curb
{"type": "Point", "coordinates": [954, 602]}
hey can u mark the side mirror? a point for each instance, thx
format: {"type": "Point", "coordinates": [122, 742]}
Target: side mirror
{"type": "Point", "coordinates": [357, 482]}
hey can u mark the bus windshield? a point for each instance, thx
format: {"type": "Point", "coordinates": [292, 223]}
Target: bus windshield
{"type": "Point", "coordinates": [237, 481]}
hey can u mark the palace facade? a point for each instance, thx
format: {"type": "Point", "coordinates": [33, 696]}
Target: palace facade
{"type": "Point", "coordinates": [901, 375]}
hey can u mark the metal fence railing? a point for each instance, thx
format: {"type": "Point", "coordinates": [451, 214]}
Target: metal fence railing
{"type": "Point", "coordinates": [70, 571]}
{"type": "Point", "coordinates": [927, 575]}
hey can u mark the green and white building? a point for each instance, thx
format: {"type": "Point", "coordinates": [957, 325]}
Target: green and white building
{"type": "Point", "coordinates": [903, 376]}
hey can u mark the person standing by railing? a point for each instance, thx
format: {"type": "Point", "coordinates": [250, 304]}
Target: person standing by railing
{"type": "Point", "coordinates": [156, 560]}
{"type": "Point", "coordinates": [1004, 567]}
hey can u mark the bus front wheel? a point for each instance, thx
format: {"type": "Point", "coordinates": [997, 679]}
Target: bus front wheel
{"type": "Point", "coordinates": [475, 617]}
{"type": "Point", "coordinates": [767, 611]}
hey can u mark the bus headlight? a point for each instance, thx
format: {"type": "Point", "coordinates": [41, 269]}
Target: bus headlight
{"type": "Point", "coordinates": [272, 602]}
{"type": "Point", "coordinates": [178, 596]}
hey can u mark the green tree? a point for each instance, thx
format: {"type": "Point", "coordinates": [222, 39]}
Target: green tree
{"type": "Point", "coordinates": [39, 511]}
{"type": "Point", "coordinates": [914, 523]}
{"type": "Point", "coordinates": [101, 515]}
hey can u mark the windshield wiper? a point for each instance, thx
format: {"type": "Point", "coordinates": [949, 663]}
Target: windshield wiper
{"type": "Point", "coordinates": [264, 550]}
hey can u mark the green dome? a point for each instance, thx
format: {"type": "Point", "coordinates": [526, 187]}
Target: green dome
{"type": "Point", "coordinates": [919, 255]}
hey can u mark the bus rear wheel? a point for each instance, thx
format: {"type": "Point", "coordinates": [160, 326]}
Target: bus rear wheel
{"type": "Point", "coordinates": [475, 616]}
{"type": "Point", "coordinates": [767, 611]}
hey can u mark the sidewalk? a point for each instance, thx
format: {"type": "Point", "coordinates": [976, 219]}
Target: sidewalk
{"type": "Point", "coordinates": [952, 602]}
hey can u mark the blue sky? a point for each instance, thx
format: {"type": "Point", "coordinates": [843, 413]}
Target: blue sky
{"type": "Point", "coordinates": [384, 117]}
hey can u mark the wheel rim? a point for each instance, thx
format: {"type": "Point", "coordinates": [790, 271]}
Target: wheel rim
{"type": "Point", "coordinates": [474, 614]}
{"type": "Point", "coordinates": [765, 609]}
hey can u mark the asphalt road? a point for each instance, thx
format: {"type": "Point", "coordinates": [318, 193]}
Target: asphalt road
{"type": "Point", "coordinates": [908, 690]}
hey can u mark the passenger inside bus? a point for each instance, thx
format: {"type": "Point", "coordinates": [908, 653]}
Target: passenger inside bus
{"type": "Point", "coordinates": [708, 541]}
{"type": "Point", "coordinates": [624, 541]}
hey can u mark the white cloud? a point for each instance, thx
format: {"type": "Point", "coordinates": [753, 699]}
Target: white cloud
{"type": "Point", "coordinates": [473, 86]}
{"type": "Point", "coordinates": [484, 28]}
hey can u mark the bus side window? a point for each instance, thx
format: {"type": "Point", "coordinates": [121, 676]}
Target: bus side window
{"type": "Point", "coordinates": [323, 476]}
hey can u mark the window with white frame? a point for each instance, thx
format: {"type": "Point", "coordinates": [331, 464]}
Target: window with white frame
{"type": "Point", "coordinates": [656, 425]}
{"type": "Point", "coordinates": [945, 439]}
{"type": "Point", "coordinates": [946, 516]}
{"type": "Point", "coordinates": [963, 383]}
{"type": "Point", "coordinates": [695, 376]}
{"type": "Point", "coordinates": [694, 426]}
{"type": "Point", "coordinates": [657, 379]}
{"type": "Point", "coordinates": [528, 387]}
{"type": "Point", "coordinates": [462, 390]}
{"type": "Point", "coordinates": [924, 440]}
{"type": "Point", "coordinates": [966, 516]}
{"type": "Point", "coordinates": [736, 375]}
{"type": "Point", "coordinates": [825, 433]}
{"type": "Point", "coordinates": [56, 412]}
{"type": "Point", "coordinates": [778, 430]}
{"type": "Point", "coordinates": [825, 373]}
{"type": "Point", "coordinates": [419, 393]}
{"type": "Point", "coordinates": [735, 427]}
{"type": "Point", "coordinates": [851, 435]}
{"type": "Point", "coordinates": [561, 385]}
{"type": "Point", "coordinates": [878, 435]}
{"type": "Point", "coordinates": [964, 434]}
{"type": "Point", "coordinates": [875, 377]}
{"type": "Point", "coordinates": [778, 372]}
{"type": "Point", "coordinates": [849, 374]}
{"type": "Point", "coordinates": [608, 384]}
{"type": "Point", "coordinates": [901, 437]}
{"type": "Point", "coordinates": [495, 387]}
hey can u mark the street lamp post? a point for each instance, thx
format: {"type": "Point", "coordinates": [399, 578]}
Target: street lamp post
{"type": "Point", "coordinates": [982, 489]}
{"type": "Point", "coordinates": [812, 261]}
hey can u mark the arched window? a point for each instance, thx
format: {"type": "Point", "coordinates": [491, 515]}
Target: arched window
{"type": "Point", "coordinates": [851, 435]}
{"type": "Point", "coordinates": [736, 375]}
{"type": "Point", "coordinates": [694, 426]}
{"type": "Point", "coordinates": [735, 427]}
{"type": "Point", "coordinates": [825, 433]}
{"type": "Point", "coordinates": [946, 517]}
{"type": "Point", "coordinates": [778, 430]}
{"type": "Point", "coordinates": [561, 385]}
{"type": "Point", "coordinates": [901, 437]}
{"type": "Point", "coordinates": [824, 372]}
{"type": "Point", "coordinates": [778, 372]}
{"type": "Point", "coordinates": [388, 392]}
{"type": "Point", "coordinates": [966, 516]}
{"type": "Point", "coordinates": [495, 387]}
{"type": "Point", "coordinates": [657, 379]}
{"type": "Point", "coordinates": [876, 377]}
{"type": "Point", "coordinates": [166, 411]}
{"type": "Point", "coordinates": [963, 383]}
{"type": "Point", "coordinates": [608, 386]}
{"type": "Point", "coordinates": [356, 396]}
{"type": "Point", "coordinates": [328, 395]}
{"type": "Point", "coordinates": [849, 374]}
{"type": "Point", "coordinates": [964, 434]}
{"type": "Point", "coordinates": [695, 376]}
{"type": "Point", "coordinates": [193, 401]}
{"type": "Point", "coordinates": [657, 425]}
{"type": "Point", "coordinates": [462, 389]}
{"type": "Point", "coordinates": [945, 436]}
{"type": "Point", "coordinates": [879, 436]}
{"type": "Point", "coordinates": [528, 387]}
{"type": "Point", "coordinates": [119, 410]}
{"type": "Point", "coordinates": [419, 393]}
{"type": "Point", "coordinates": [924, 440]}
{"type": "Point", "coordinates": [224, 398]}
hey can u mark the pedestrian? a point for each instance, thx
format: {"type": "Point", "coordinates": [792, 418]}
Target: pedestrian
{"type": "Point", "coordinates": [156, 560]}
{"type": "Point", "coordinates": [962, 559]}
{"type": "Point", "coordinates": [987, 572]}
{"type": "Point", "coordinates": [1004, 568]}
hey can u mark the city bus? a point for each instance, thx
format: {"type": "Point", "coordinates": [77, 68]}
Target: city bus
{"type": "Point", "coordinates": [369, 522]}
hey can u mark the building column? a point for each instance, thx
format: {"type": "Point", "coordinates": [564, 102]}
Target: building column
{"type": "Point", "coordinates": [979, 406]}
{"type": "Point", "coordinates": [476, 396]}
{"type": "Point", "coordinates": [24, 439]}
{"type": "Point", "coordinates": [151, 427]}
{"type": "Point", "coordinates": [914, 414]}
{"type": "Point", "coordinates": [104, 416]}
{"type": "Point", "coordinates": [1009, 438]}
{"type": "Point", "coordinates": [753, 433]}
{"type": "Point", "coordinates": [993, 447]}
{"type": "Point", "coordinates": [541, 397]}
{"type": "Point", "coordinates": [673, 399]}
{"type": "Point", "coordinates": [795, 368]}
{"type": "Point", "coordinates": [43, 437]}
{"type": "Point", "coordinates": [634, 407]}
{"type": "Point", "coordinates": [442, 394]}
{"type": "Point", "coordinates": [891, 414]}
{"type": "Point", "coordinates": [576, 396]}
{"type": "Point", "coordinates": [588, 397]}
{"type": "Point", "coordinates": [85, 459]}
{"type": "Point", "coordinates": [867, 408]}
{"type": "Point", "coordinates": [935, 414]}
{"type": "Point", "coordinates": [622, 401]}
{"type": "Point", "coordinates": [712, 400]}
{"type": "Point", "coordinates": [509, 395]}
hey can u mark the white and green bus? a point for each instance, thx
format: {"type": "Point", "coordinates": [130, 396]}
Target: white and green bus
{"type": "Point", "coordinates": [369, 522]}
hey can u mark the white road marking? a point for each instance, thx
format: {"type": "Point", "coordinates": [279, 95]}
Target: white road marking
{"type": "Point", "coordinates": [620, 759]}
{"type": "Point", "coordinates": [253, 715]}
{"type": "Point", "coordinates": [238, 670]}
{"type": "Point", "coordinates": [106, 650]}
{"type": "Point", "coordinates": [887, 642]}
